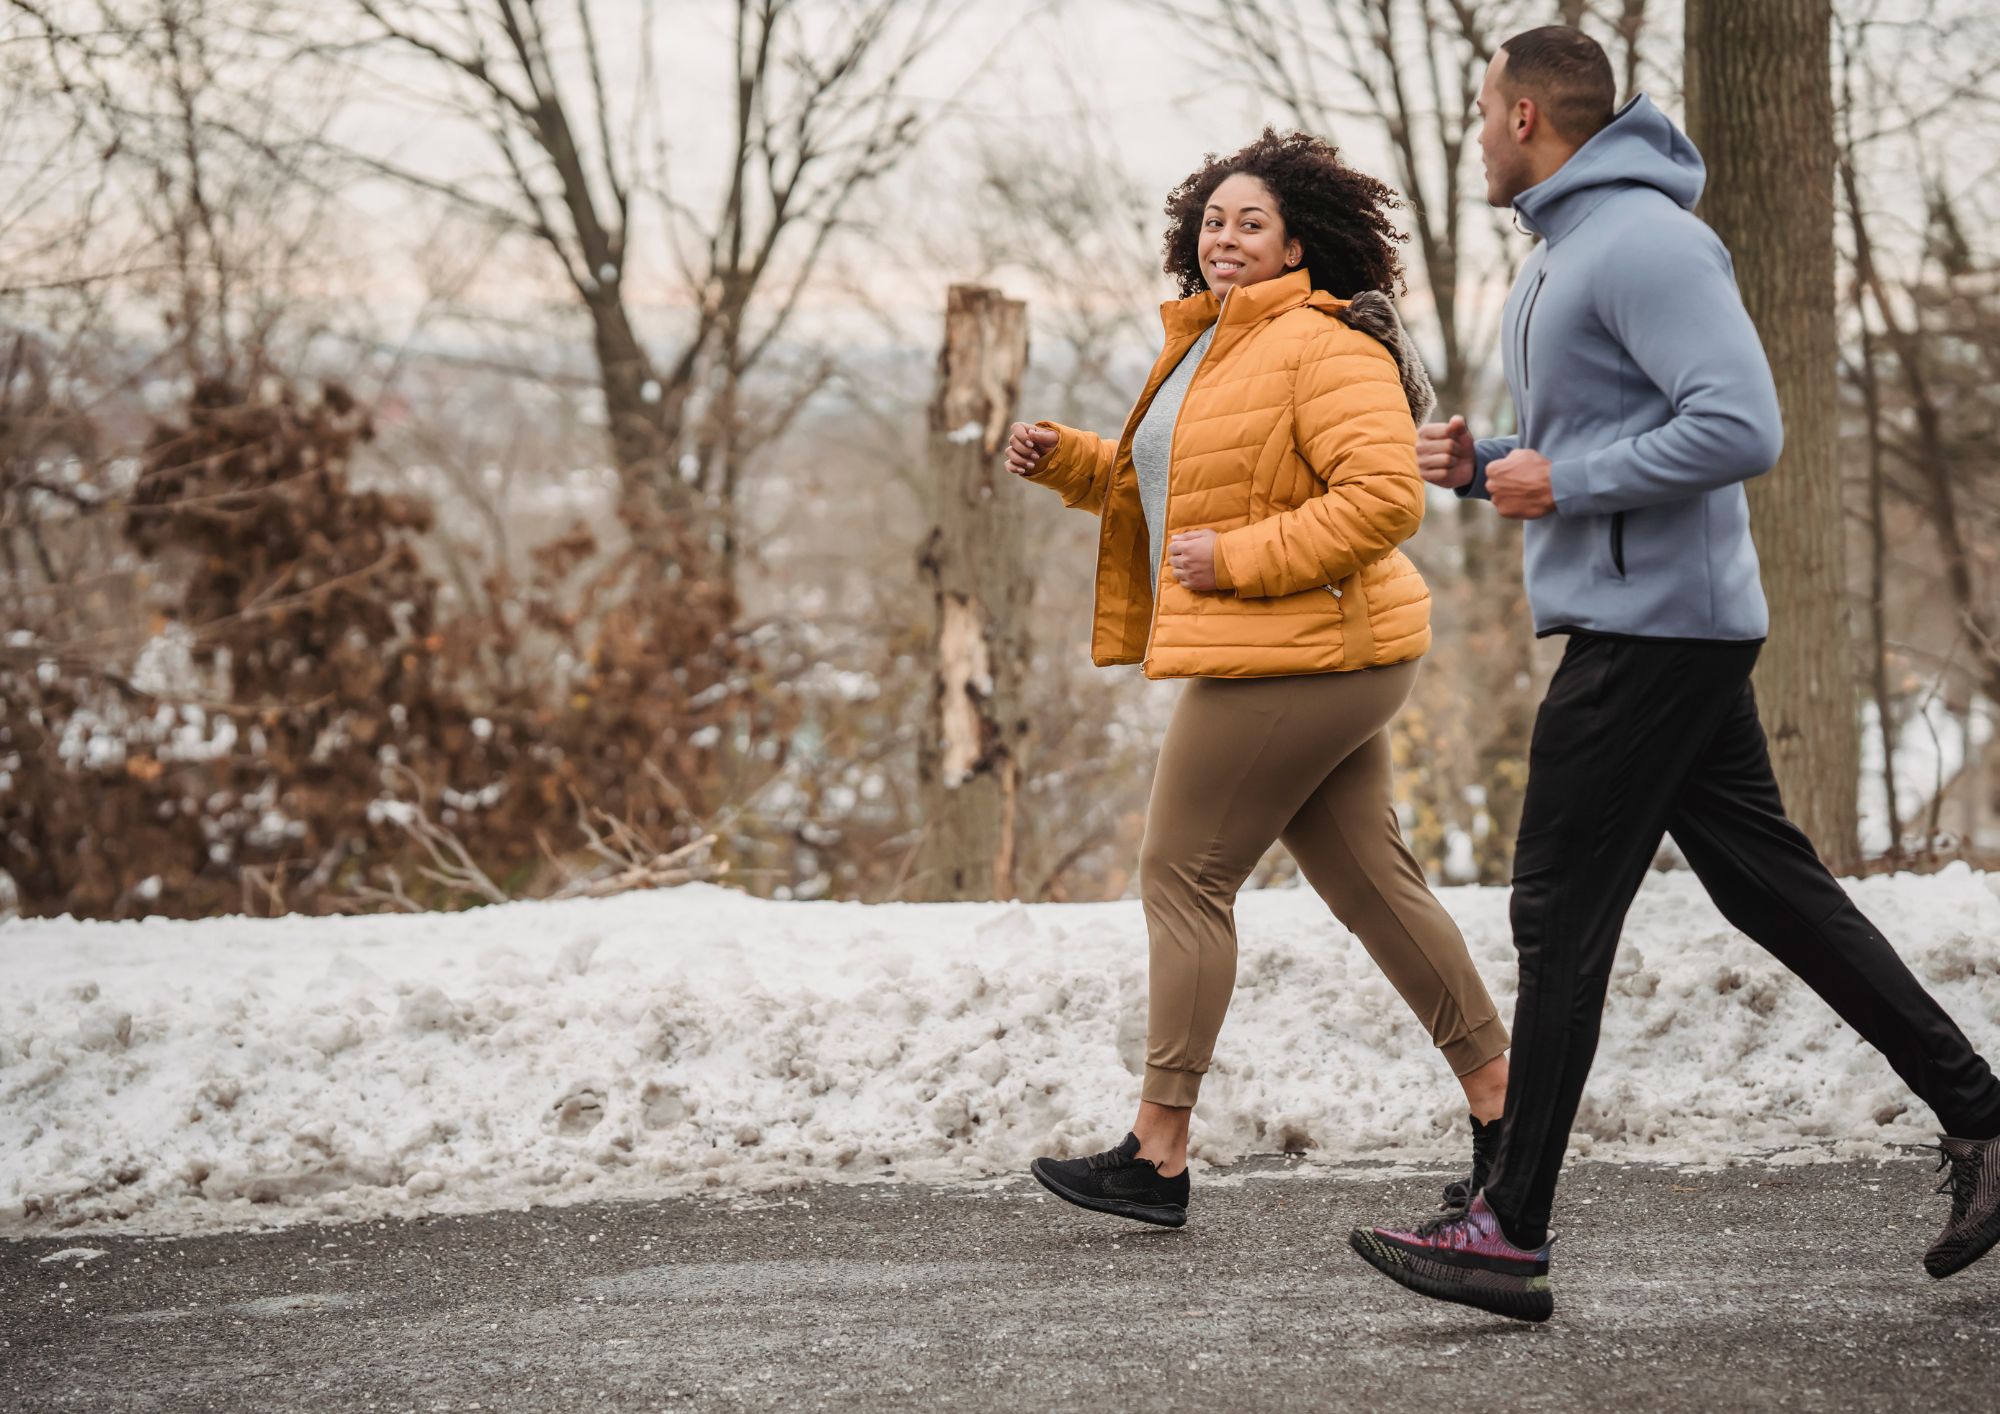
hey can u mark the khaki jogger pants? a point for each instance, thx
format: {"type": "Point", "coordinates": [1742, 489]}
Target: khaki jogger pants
{"type": "Point", "coordinates": [1304, 760]}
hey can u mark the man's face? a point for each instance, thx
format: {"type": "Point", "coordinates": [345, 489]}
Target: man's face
{"type": "Point", "coordinates": [1508, 172]}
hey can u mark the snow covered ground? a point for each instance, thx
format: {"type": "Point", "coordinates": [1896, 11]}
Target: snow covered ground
{"type": "Point", "coordinates": [162, 1075]}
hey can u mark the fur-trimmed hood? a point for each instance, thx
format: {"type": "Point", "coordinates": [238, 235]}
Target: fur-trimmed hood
{"type": "Point", "coordinates": [1372, 313]}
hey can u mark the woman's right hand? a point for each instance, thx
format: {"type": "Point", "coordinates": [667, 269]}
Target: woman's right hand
{"type": "Point", "coordinates": [1027, 445]}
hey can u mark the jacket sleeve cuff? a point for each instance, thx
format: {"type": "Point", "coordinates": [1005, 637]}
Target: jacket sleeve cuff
{"type": "Point", "coordinates": [1224, 580]}
{"type": "Point", "coordinates": [1569, 483]}
{"type": "Point", "coordinates": [1055, 466]}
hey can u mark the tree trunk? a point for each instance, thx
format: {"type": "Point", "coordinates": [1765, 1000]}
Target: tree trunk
{"type": "Point", "coordinates": [1878, 592]}
{"type": "Point", "coordinates": [637, 409]}
{"type": "Point", "coordinates": [1760, 107]}
{"type": "Point", "coordinates": [975, 561]}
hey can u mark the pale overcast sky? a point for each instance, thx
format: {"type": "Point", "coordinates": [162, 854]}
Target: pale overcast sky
{"type": "Point", "coordinates": [1157, 96]}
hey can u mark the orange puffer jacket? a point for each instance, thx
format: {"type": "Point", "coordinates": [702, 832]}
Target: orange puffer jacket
{"type": "Point", "coordinates": [1296, 444]}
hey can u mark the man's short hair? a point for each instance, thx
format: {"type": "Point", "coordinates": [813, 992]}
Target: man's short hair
{"type": "Point", "coordinates": [1568, 74]}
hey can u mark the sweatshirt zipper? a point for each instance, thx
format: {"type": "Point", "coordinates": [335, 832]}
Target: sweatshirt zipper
{"type": "Point", "coordinates": [1173, 436]}
{"type": "Point", "coordinates": [1527, 323]}
{"type": "Point", "coordinates": [1527, 382]}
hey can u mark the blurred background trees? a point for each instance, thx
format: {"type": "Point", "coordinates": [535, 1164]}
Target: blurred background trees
{"type": "Point", "coordinates": [1760, 107]}
{"type": "Point", "coordinates": [461, 452]}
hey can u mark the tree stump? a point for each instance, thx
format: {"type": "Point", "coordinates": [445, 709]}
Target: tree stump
{"type": "Point", "coordinates": [975, 561]}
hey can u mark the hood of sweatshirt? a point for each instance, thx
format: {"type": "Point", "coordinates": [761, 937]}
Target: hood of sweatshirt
{"type": "Point", "coordinates": [1639, 147]}
{"type": "Point", "coordinates": [1636, 371]}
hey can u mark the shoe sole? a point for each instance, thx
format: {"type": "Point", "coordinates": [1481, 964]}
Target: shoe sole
{"type": "Point", "coordinates": [1393, 1263]}
{"type": "Point", "coordinates": [1156, 1214]}
{"type": "Point", "coordinates": [1984, 1237]}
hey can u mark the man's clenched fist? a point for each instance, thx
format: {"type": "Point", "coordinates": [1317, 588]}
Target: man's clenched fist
{"type": "Point", "coordinates": [1519, 485]}
{"type": "Point", "coordinates": [1444, 453]}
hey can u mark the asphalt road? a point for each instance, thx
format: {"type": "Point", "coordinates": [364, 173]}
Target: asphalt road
{"type": "Point", "coordinates": [1756, 1288]}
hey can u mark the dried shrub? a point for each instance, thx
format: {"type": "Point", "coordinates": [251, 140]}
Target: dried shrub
{"type": "Point", "coordinates": [307, 730]}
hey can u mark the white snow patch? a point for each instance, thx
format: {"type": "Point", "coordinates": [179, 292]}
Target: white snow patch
{"type": "Point", "coordinates": [961, 436]}
{"type": "Point", "coordinates": [164, 1075]}
{"type": "Point", "coordinates": [75, 1254]}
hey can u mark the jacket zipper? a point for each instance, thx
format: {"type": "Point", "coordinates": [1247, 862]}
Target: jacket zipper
{"type": "Point", "coordinates": [1152, 625]}
{"type": "Point", "coordinates": [1527, 382]}
{"type": "Point", "coordinates": [1527, 322]}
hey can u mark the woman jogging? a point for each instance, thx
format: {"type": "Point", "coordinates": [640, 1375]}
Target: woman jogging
{"type": "Point", "coordinates": [1251, 517]}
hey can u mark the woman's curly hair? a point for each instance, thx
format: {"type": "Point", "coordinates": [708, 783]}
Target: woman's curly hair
{"type": "Point", "coordinates": [1340, 217]}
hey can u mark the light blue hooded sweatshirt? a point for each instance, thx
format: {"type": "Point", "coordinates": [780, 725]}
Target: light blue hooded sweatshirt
{"type": "Point", "coordinates": [1636, 371]}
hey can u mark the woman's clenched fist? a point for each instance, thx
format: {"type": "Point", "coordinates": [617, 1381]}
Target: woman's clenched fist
{"type": "Point", "coordinates": [1027, 444]}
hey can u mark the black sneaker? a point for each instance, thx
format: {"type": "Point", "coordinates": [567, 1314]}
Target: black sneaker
{"type": "Point", "coordinates": [1117, 1181]}
{"type": "Point", "coordinates": [1485, 1144]}
{"type": "Point", "coordinates": [1974, 1185]}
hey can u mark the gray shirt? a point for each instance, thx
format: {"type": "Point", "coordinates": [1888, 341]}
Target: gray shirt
{"type": "Point", "coordinates": [1153, 446]}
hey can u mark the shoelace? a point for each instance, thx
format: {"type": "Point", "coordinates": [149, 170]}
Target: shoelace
{"type": "Point", "coordinates": [1109, 1159]}
{"type": "Point", "coordinates": [1959, 1182]}
{"type": "Point", "coordinates": [1459, 1192]}
{"type": "Point", "coordinates": [1451, 1218]}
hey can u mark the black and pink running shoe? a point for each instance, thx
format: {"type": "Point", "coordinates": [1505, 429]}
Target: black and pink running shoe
{"type": "Point", "coordinates": [1461, 1255]}
{"type": "Point", "coordinates": [1974, 1184]}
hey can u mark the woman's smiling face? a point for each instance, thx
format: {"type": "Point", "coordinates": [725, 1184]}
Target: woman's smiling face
{"type": "Point", "coordinates": [1242, 236]}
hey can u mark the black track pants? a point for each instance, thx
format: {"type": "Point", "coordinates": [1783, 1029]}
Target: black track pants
{"type": "Point", "coordinates": [1637, 739]}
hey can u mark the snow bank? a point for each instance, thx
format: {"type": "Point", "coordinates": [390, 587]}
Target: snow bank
{"type": "Point", "coordinates": [162, 1075]}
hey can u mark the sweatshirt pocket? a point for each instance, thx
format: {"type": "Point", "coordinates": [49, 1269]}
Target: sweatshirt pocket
{"type": "Point", "coordinates": [1618, 543]}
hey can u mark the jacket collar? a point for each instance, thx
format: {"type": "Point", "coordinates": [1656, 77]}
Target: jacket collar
{"type": "Point", "coordinates": [1252, 304]}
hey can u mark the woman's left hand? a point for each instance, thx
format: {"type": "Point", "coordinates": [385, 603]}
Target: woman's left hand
{"type": "Point", "coordinates": [1191, 556]}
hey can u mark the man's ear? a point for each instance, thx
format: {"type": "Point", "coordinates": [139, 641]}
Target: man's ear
{"type": "Point", "coordinates": [1527, 120]}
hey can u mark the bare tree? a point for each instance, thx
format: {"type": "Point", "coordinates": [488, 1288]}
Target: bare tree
{"type": "Point", "coordinates": [1760, 106]}
{"type": "Point", "coordinates": [1929, 453]}
{"type": "Point", "coordinates": [1070, 220]}
{"type": "Point", "coordinates": [818, 115]}
{"type": "Point", "coordinates": [1921, 325]}
{"type": "Point", "coordinates": [207, 201]}
{"type": "Point", "coordinates": [156, 191]}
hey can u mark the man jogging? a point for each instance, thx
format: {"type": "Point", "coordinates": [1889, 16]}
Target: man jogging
{"type": "Point", "coordinates": [1643, 402]}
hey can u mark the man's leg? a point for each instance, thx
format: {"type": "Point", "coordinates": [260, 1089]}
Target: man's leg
{"type": "Point", "coordinates": [1622, 725]}
{"type": "Point", "coordinates": [1768, 881]}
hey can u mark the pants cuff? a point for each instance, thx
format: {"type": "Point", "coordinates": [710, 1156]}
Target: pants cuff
{"type": "Point", "coordinates": [1478, 1046]}
{"type": "Point", "coordinates": [1178, 1088]}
